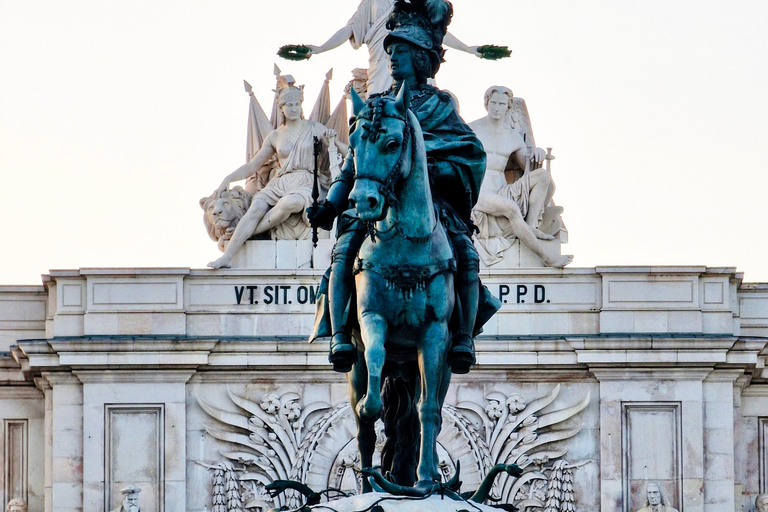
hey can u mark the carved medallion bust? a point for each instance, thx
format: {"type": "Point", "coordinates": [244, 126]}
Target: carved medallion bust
{"type": "Point", "coordinates": [16, 505]}
{"type": "Point", "coordinates": [656, 500]}
{"type": "Point", "coordinates": [130, 501]}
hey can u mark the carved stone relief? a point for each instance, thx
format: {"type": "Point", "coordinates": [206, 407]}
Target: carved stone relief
{"type": "Point", "coordinates": [656, 499]}
{"type": "Point", "coordinates": [280, 437]}
{"type": "Point", "coordinates": [130, 499]}
{"type": "Point", "coordinates": [16, 505]}
{"type": "Point", "coordinates": [515, 200]}
{"type": "Point", "coordinates": [761, 503]}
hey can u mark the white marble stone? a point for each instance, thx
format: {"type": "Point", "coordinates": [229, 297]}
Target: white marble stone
{"type": "Point", "coordinates": [389, 503]}
{"type": "Point", "coordinates": [22, 314]}
{"type": "Point", "coordinates": [657, 350]}
{"type": "Point", "coordinates": [283, 254]}
{"type": "Point", "coordinates": [506, 212]}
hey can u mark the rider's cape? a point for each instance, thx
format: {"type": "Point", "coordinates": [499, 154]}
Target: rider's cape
{"type": "Point", "coordinates": [454, 153]}
{"type": "Point", "coordinates": [456, 160]}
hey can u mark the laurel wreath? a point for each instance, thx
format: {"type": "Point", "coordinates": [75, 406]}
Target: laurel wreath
{"type": "Point", "coordinates": [294, 52]}
{"type": "Point", "coordinates": [493, 52]}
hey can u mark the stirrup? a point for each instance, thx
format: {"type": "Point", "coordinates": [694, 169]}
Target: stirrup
{"type": "Point", "coordinates": [462, 353]}
{"type": "Point", "coordinates": [343, 353]}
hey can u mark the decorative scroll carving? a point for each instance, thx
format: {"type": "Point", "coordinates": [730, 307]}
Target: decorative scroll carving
{"type": "Point", "coordinates": [278, 437]}
{"type": "Point", "coordinates": [520, 432]}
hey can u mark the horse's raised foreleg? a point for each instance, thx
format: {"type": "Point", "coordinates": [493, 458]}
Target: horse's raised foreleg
{"type": "Point", "coordinates": [373, 330]}
{"type": "Point", "coordinates": [435, 377]}
{"type": "Point", "coordinates": [366, 433]}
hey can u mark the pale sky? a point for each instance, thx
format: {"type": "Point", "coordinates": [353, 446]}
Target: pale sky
{"type": "Point", "coordinates": [116, 117]}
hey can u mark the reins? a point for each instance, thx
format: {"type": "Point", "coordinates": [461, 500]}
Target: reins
{"type": "Point", "coordinates": [387, 185]}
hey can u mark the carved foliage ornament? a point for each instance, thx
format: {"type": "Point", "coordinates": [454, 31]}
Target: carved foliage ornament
{"type": "Point", "coordinates": [279, 438]}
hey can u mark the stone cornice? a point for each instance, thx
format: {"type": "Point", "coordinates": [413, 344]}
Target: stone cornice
{"type": "Point", "coordinates": [644, 374]}
{"type": "Point", "coordinates": [42, 384]}
{"type": "Point", "coordinates": [61, 378]}
{"type": "Point", "coordinates": [661, 269]}
{"type": "Point", "coordinates": [494, 353]}
{"type": "Point", "coordinates": [758, 390]}
{"type": "Point", "coordinates": [20, 393]}
{"type": "Point", "coordinates": [133, 376]}
{"type": "Point", "coordinates": [725, 375]}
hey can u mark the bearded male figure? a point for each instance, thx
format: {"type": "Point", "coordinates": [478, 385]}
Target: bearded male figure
{"type": "Point", "coordinates": [456, 163]}
{"type": "Point", "coordinates": [130, 501]}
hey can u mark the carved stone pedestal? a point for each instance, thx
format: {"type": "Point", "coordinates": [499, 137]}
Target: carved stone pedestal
{"type": "Point", "coordinates": [518, 255]}
{"type": "Point", "coordinates": [284, 254]}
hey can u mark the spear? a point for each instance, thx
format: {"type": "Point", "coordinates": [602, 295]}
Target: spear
{"type": "Point", "coordinates": [315, 186]}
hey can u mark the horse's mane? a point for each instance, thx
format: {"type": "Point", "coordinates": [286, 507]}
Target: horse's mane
{"type": "Point", "coordinates": [418, 147]}
{"type": "Point", "coordinates": [374, 111]}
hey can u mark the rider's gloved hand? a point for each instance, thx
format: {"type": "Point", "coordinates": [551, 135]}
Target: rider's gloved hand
{"type": "Point", "coordinates": [322, 215]}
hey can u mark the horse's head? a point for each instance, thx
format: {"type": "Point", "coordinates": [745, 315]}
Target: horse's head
{"type": "Point", "coordinates": [382, 152]}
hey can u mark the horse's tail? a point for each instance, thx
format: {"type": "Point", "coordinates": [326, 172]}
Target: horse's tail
{"type": "Point", "coordinates": [400, 454]}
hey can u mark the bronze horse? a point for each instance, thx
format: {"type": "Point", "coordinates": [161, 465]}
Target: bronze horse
{"type": "Point", "coordinates": [404, 294]}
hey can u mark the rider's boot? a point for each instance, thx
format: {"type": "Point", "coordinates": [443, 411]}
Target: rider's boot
{"type": "Point", "coordinates": [343, 353]}
{"type": "Point", "coordinates": [462, 353]}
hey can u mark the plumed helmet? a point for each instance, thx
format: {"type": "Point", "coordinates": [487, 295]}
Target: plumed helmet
{"type": "Point", "coordinates": [420, 23]}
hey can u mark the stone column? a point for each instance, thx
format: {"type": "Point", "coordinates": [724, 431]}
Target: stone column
{"type": "Point", "coordinates": [719, 453]}
{"type": "Point", "coordinates": [135, 432]}
{"type": "Point", "coordinates": [22, 436]}
{"type": "Point", "coordinates": [663, 409]}
{"type": "Point", "coordinates": [66, 442]}
{"type": "Point", "coordinates": [46, 388]}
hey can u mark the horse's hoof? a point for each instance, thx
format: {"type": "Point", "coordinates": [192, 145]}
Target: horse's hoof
{"type": "Point", "coordinates": [425, 486]}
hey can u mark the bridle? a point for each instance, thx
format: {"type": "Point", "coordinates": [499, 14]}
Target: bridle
{"type": "Point", "coordinates": [386, 185]}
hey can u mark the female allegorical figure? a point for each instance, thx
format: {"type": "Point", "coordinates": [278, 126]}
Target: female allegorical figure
{"type": "Point", "coordinates": [368, 27]}
{"type": "Point", "coordinates": [290, 191]}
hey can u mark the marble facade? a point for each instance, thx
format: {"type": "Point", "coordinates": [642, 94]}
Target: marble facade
{"type": "Point", "coordinates": [162, 377]}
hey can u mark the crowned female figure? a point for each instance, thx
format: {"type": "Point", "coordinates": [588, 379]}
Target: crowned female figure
{"type": "Point", "coordinates": [289, 191]}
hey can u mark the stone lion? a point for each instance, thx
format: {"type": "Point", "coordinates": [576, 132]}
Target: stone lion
{"type": "Point", "coordinates": [222, 211]}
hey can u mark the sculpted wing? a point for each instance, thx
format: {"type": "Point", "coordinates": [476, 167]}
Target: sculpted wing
{"type": "Point", "coordinates": [518, 118]}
